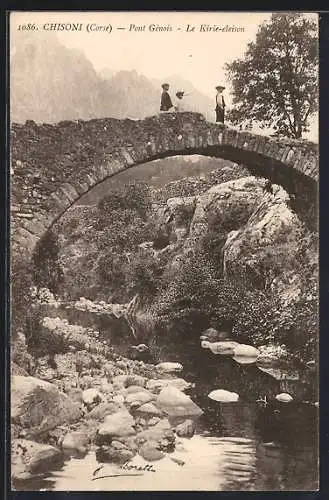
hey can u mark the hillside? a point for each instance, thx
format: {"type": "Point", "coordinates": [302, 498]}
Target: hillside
{"type": "Point", "coordinates": [50, 83]}
{"type": "Point", "coordinates": [197, 251]}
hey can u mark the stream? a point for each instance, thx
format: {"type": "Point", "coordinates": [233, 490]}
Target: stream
{"type": "Point", "coordinates": [254, 444]}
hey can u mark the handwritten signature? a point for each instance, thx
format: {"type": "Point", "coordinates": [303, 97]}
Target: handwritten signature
{"type": "Point", "coordinates": [138, 471]}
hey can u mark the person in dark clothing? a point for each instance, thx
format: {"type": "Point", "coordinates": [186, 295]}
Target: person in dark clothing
{"type": "Point", "coordinates": [166, 103]}
{"type": "Point", "coordinates": [220, 104]}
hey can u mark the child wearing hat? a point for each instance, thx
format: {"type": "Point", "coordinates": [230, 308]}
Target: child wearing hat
{"type": "Point", "coordinates": [166, 104]}
{"type": "Point", "coordinates": [220, 104]}
{"type": "Point", "coordinates": [179, 105]}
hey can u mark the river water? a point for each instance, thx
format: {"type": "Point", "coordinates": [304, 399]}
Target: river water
{"type": "Point", "coordinates": [254, 444]}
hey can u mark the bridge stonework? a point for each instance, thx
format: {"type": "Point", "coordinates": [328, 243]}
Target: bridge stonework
{"type": "Point", "coordinates": [52, 166]}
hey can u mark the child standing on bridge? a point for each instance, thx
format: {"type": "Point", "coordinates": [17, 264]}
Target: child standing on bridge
{"type": "Point", "coordinates": [179, 104]}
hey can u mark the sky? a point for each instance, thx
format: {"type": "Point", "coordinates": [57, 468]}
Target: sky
{"type": "Point", "coordinates": [194, 55]}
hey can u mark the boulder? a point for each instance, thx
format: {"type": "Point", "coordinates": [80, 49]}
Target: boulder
{"type": "Point", "coordinates": [106, 454]}
{"type": "Point", "coordinates": [29, 458]}
{"type": "Point", "coordinates": [75, 442]}
{"type": "Point", "coordinates": [39, 406]}
{"type": "Point", "coordinates": [223, 396]}
{"type": "Point", "coordinates": [119, 424]}
{"type": "Point", "coordinates": [141, 396]}
{"type": "Point", "coordinates": [169, 367]}
{"type": "Point", "coordinates": [185, 429]}
{"type": "Point", "coordinates": [177, 404]}
{"type": "Point", "coordinates": [103, 410]}
{"type": "Point", "coordinates": [149, 409]}
{"type": "Point", "coordinates": [224, 348]}
{"type": "Point", "coordinates": [164, 439]}
{"type": "Point", "coordinates": [91, 396]}
{"type": "Point", "coordinates": [245, 354]}
{"type": "Point", "coordinates": [135, 380]}
{"type": "Point", "coordinates": [150, 451]}
{"type": "Point", "coordinates": [156, 385]}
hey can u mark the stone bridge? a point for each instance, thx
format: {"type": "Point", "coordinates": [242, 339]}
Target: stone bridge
{"type": "Point", "coordinates": [52, 166]}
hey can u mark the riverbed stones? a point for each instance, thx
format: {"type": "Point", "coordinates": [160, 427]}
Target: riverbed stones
{"type": "Point", "coordinates": [133, 389]}
{"type": "Point", "coordinates": [156, 385]}
{"type": "Point", "coordinates": [169, 367]}
{"type": "Point", "coordinates": [91, 397]}
{"type": "Point", "coordinates": [38, 406]}
{"type": "Point", "coordinates": [141, 396]}
{"type": "Point", "coordinates": [119, 424]}
{"type": "Point", "coordinates": [119, 382]}
{"type": "Point", "coordinates": [164, 438]}
{"type": "Point", "coordinates": [29, 458]}
{"type": "Point", "coordinates": [223, 396]}
{"type": "Point", "coordinates": [135, 380]}
{"type": "Point", "coordinates": [75, 442]}
{"type": "Point", "coordinates": [103, 410]}
{"type": "Point", "coordinates": [177, 404]}
{"type": "Point", "coordinates": [150, 451]}
{"type": "Point", "coordinates": [185, 429]}
{"type": "Point", "coordinates": [149, 409]}
{"type": "Point", "coordinates": [111, 454]}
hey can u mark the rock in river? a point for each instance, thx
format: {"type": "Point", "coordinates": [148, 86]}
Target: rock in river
{"type": "Point", "coordinates": [245, 354]}
{"type": "Point", "coordinates": [150, 451]}
{"type": "Point", "coordinates": [156, 385]}
{"type": "Point", "coordinates": [169, 367]}
{"type": "Point", "coordinates": [185, 429]}
{"type": "Point", "coordinates": [106, 454]}
{"type": "Point", "coordinates": [38, 406]}
{"type": "Point", "coordinates": [29, 457]}
{"type": "Point", "coordinates": [284, 397]}
{"type": "Point", "coordinates": [75, 442]}
{"type": "Point", "coordinates": [223, 396]}
{"type": "Point", "coordinates": [177, 404]}
{"type": "Point", "coordinates": [224, 348]}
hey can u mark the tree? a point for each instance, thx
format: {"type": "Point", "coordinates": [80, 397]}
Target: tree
{"type": "Point", "coordinates": [276, 82]}
{"type": "Point", "coordinates": [47, 268]}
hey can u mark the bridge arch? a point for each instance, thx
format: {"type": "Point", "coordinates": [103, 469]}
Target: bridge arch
{"type": "Point", "coordinates": [52, 166]}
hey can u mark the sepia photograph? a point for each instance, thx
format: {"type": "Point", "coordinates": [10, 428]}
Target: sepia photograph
{"type": "Point", "coordinates": [164, 240]}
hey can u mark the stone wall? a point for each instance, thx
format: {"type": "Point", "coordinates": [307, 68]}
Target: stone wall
{"type": "Point", "coordinates": [53, 165]}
